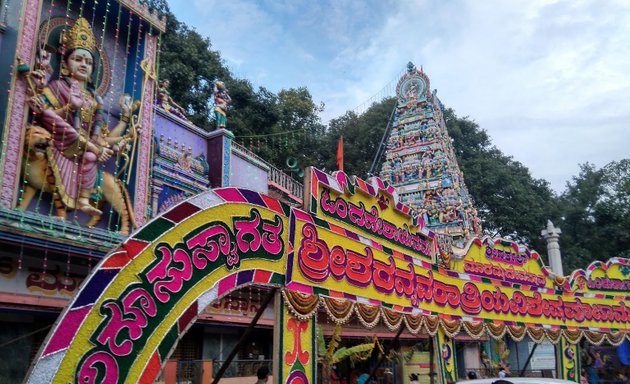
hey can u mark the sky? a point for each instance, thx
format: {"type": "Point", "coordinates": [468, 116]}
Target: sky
{"type": "Point", "coordinates": [548, 80]}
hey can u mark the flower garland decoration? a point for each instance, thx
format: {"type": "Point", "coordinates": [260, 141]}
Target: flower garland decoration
{"type": "Point", "coordinates": [474, 329]}
{"type": "Point", "coordinates": [300, 305]}
{"type": "Point", "coordinates": [392, 319]}
{"type": "Point", "coordinates": [431, 323]}
{"type": "Point", "coordinates": [595, 338]}
{"type": "Point", "coordinates": [414, 323]}
{"type": "Point", "coordinates": [616, 338]}
{"type": "Point", "coordinates": [368, 315]}
{"type": "Point", "coordinates": [304, 306]}
{"type": "Point", "coordinates": [451, 327]}
{"type": "Point", "coordinates": [339, 310]}
{"type": "Point", "coordinates": [516, 332]}
{"type": "Point", "coordinates": [554, 335]}
{"type": "Point", "coordinates": [537, 334]}
{"type": "Point", "coordinates": [497, 331]}
{"type": "Point", "coordinates": [573, 336]}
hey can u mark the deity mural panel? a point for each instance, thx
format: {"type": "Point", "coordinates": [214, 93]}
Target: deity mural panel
{"type": "Point", "coordinates": [83, 142]}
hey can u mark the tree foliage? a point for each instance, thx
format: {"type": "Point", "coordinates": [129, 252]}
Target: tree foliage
{"type": "Point", "coordinates": [596, 215]}
{"type": "Point", "coordinates": [188, 61]}
{"type": "Point", "coordinates": [593, 212]}
{"type": "Point", "coordinates": [362, 135]}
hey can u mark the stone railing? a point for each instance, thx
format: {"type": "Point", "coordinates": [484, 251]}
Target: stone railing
{"type": "Point", "coordinates": [292, 187]}
{"type": "Point", "coordinates": [277, 177]}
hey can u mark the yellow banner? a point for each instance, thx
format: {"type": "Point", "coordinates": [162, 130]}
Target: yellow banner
{"type": "Point", "coordinates": [369, 210]}
{"type": "Point", "coordinates": [328, 258]}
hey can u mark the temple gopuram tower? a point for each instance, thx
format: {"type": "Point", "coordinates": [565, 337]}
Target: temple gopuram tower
{"type": "Point", "coordinates": [420, 161]}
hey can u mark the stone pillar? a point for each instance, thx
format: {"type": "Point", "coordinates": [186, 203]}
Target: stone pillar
{"type": "Point", "coordinates": [219, 157]}
{"type": "Point", "coordinates": [551, 235]}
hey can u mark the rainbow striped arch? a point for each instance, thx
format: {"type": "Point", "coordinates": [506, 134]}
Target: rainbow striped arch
{"type": "Point", "coordinates": [141, 299]}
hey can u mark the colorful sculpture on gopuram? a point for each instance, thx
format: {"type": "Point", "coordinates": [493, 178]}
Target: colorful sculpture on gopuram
{"type": "Point", "coordinates": [420, 162]}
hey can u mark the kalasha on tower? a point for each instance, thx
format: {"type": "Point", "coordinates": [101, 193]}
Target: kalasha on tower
{"type": "Point", "coordinates": [420, 161]}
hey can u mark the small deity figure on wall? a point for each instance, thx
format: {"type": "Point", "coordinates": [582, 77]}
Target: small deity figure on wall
{"type": "Point", "coordinates": [165, 100]}
{"type": "Point", "coordinates": [222, 101]}
{"type": "Point", "coordinates": [427, 164]}
{"type": "Point", "coordinates": [449, 215]}
{"type": "Point", "coordinates": [412, 91]}
{"type": "Point", "coordinates": [70, 114]}
{"type": "Point", "coordinates": [475, 222]}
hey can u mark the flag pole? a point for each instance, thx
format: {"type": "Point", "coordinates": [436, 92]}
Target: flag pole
{"type": "Point", "coordinates": [340, 153]}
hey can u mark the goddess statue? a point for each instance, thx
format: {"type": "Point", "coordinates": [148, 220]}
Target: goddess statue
{"type": "Point", "coordinates": [222, 101]}
{"type": "Point", "coordinates": [71, 110]}
{"type": "Point", "coordinates": [166, 101]}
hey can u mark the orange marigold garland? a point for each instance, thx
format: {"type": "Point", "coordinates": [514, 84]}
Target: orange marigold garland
{"type": "Point", "coordinates": [368, 315]}
{"type": "Point", "coordinates": [339, 310]}
{"type": "Point", "coordinates": [301, 305]}
{"type": "Point", "coordinates": [391, 318]}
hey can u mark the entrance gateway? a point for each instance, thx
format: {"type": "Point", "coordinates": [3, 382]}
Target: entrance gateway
{"type": "Point", "coordinates": [354, 245]}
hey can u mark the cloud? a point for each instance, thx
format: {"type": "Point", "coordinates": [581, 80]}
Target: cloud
{"type": "Point", "coordinates": [547, 79]}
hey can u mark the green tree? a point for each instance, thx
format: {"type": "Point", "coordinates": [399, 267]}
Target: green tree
{"type": "Point", "coordinates": [161, 6]}
{"type": "Point", "coordinates": [283, 126]}
{"type": "Point", "coordinates": [298, 113]}
{"type": "Point", "coordinates": [361, 136]}
{"type": "Point", "coordinates": [188, 61]}
{"type": "Point", "coordinates": [251, 112]}
{"type": "Point", "coordinates": [259, 117]}
{"type": "Point", "coordinates": [596, 215]}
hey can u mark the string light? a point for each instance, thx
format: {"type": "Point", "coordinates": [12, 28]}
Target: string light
{"type": "Point", "coordinates": [81, 8]}
{"type": "Point", "coordinates": [111, 95]}
{"type": "Point", "coordinates": [67, 274]}
{"type": "Point", "coordinates": [156, 61]}
{"type": "Point", "coordinates": [5, 11]}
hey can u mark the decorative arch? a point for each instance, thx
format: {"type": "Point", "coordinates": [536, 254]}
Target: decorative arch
{"type": "Point", "coordinates": [142, 298]}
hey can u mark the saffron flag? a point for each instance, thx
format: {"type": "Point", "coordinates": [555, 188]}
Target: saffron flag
{"type": "Point", "coordinates": [340, 153]}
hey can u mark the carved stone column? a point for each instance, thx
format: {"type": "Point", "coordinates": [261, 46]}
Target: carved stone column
{"type": "Point", "coordinates": [551, 234]}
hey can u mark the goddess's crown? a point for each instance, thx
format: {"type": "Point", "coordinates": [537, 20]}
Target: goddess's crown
{"type": "Point", "coordinates": [79, 36]}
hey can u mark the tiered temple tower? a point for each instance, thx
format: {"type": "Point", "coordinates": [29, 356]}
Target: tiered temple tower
{"type": "Point", "coordinates": [420, 161]}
